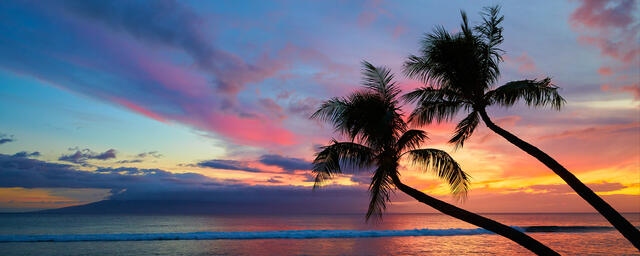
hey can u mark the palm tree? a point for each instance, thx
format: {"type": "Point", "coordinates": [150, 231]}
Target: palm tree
{"type": "Point", "coordinates": [462, 69]}
{"type": "Point", "coordinates": [379, 137]}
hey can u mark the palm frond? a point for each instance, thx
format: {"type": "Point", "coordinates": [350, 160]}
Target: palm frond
{"type": "Point", "coordinates": [331, 110]}
{"type": "Point", "coordinates": [330, 159]}
{"type": "Point", "coordinates": [429, 65]}
{"type": "Point", "coordinates": [443, 166]}
{"type": "Point", "coordinates": [379, 190]}
{"type": "Point", "coordinates": [465, 129]}
{"type": "Point", "coordinates": [535, 93]}
{"type": "Point", "coordinates": [464, 26]}
{"type": "Point", "coordinates": [365, 117]}
{"type": "Point", "coordinates": [448, 61]}
{"type": "Point", "coordinates": [490, 28]}
{"type": "Point", "coordinates": [491, 33]}
{"type": "Point", "coordinates": [411, 139]}
{"type": "Point", "coordinates": [435, 111]}
{"type": "Point", "coordinates": [379, 79]}
{"type": "Point", "coordinates": [432, 94]}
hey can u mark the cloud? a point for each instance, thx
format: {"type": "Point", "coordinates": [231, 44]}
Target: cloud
{"type": "Point", "coordinates": [304, 107]}
{"type": "Point", "coordinates": [508, 120]}
{"type": "Point", "coordinates": [141, 157]}
{"type": "Point", "coordinates": [609, 26]}
{"type": "Point", "coordinates": [603, 14]}
{"type": "Point", "coordinates": [564, 188]}
{"type": "Point", "coordinates": [111, 51]}
{"type": "Point", "coordinates": [130, 161]}
{"type": "Point", "coordinates": [154, 154]}
{"type": "Point", "coordinates": [274, 180]}
{"type": "Point", "coordinates": [155, 184]}
{"type": "Point", "coordinates": [24, 172]}
{"type": "Point", "coordinates": [6, 138]}
{"type": "Point", "coordinates": [173, 24]}
{"type": "Point", "coordinates": [26, 154]}
{"type": "Point", "coordinates": [82, 155]}
{"type": "Point", "coordinates": [605, 71]}
{"type": "Point", "coordinates": [163, 22]}
{"type": "Point", "coordinates": [524, 63]}
{"type": "Point", "coordinates": [289, 164]}
{"type": "Point", "coordinates": [228, 165]}
{"type": "Point", "coordinates": [371, 12]}
{"type": "Point", "coordinates": [272, 107]}
{"type": "Point", "coordinates": [593, 131]}
{"type": "Point", "coordinates": [633, 89]}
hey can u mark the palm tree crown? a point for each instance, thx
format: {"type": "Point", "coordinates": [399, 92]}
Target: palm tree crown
{"type": "Point", "coordinates": [462, 69]}
{"type": "Point", "coordinates": [372, 120]}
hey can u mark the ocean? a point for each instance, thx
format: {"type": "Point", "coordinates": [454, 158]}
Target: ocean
{"type": "Point", "coordinates": [348, 234]}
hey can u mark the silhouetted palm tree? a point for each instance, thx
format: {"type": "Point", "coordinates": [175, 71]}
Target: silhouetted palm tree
{"type": "Point", "coordinates": [379, 137]}
{"type": "Point", "coordinates": [462, 69]}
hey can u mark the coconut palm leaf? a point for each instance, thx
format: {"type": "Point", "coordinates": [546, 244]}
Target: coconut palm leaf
{"type": "Point", "coordinates": [331, 110]}
{"type": "Point", "coordinates": [379, 79]}
{"type": "Point", "coordinates": [411, 139]}
{"type": "Point", "coordinates": [465, 129]}
{"type": "Point", "coordinates": [432, 94]}
{"type": "Point", "coordinates": [534, 92]}
{"type": "Point", "coordinates": [443, 166]}
{"type": "Point", "coordinates": [379, 191]}
{"type": "Point", "coordinates": [435, 111]}
{"type": "Point", "coordinates": [330, 158]}
{"type": "Point", "coordinates": [491, 32]}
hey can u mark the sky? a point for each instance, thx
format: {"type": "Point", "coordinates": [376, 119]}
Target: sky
{"type": "Point", "coordinates": [210, 100]}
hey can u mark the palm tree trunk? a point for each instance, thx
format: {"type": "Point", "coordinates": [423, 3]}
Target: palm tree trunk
{"type": "Point", "coordinates": [475, 219]}
{"type": "Point", "coordinates": [628, 231]}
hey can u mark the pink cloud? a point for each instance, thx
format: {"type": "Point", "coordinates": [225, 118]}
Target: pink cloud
{"type": "Point", "coordinates": [371, 12]}
{"type": "Point", "coordinates": [507, 120]}
{"type": "Point", "coordinates": [634, 89]}
{"type": "Point", "coordinates": [524, 63]}
{"type": "Point", "coordinates": [272, 108]}
{"type": "Point", "coordinates": [399, 31]}
{"type": "Point", "coordinates": [590, 132]}
{"type": "Point", "coordinates": [605, 71]}
{"type": "Point", "coordinates": [175, 78]}
{"type": "Point", "coordinates": [609, 26]}
{"type": "Point", "coordinates": [139, 109]}
{"type": "Point", "coordinates": [252, 131]}
{"type": "Point", "coordinates": [602, 14]}
{"type": "Point", "coordinates": [623, 50]}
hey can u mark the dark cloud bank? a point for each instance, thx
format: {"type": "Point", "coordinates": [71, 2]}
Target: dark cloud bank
{"type": "Point", "coordinates": [159, 191]}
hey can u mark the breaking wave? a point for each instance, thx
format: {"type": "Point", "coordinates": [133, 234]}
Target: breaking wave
{"type": "Point", "coordinates": [566, 229]}
{"type": "Point", "coordinates": [285, 234]}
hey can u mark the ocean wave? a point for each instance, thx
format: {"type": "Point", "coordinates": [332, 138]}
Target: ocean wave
{"type": "Point", "coordinates": [285, 234]}
{"type": "Point", "coordinates": [566, 229]}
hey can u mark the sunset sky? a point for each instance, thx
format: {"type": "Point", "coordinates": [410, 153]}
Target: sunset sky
{"type": "Point", "coordinates": [205, 100]}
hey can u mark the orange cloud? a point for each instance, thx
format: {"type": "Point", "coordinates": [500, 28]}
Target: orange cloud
{"type": "Point", "coordinates": [524, 63]}
{"type": "Point", "coordinates": [605, 71]}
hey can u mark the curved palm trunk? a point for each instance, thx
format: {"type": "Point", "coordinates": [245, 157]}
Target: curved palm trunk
{"type": "Point", "coordinates": [619, 222]}
{"type": "Point", "coordinates": [475, 219]}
